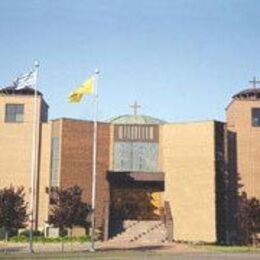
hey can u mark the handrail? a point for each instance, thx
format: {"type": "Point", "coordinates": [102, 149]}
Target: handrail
{"type": "Point", "coordinates": [168, 221]}
{"type": "Point", "coordinates": [105, 222]}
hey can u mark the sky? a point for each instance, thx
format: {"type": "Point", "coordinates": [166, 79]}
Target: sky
{"type": "Point", "coordinates": [182, 60]}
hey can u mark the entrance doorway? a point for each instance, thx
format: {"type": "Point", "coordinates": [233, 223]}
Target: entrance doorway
{"type": "Point", "coordinates": [134, 196]}
{"type": "Point", "coordinates": [135, 204]}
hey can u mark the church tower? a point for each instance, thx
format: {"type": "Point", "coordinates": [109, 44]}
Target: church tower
{"type": "Point", "coordinates": [243, 125]}
{"type": "Point", "coordinates": [16, 126]}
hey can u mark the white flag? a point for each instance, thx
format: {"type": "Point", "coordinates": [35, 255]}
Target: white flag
{"type": "Point", "coordinates": [26, 80]}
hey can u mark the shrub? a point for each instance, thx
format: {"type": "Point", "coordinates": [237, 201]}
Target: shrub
{"type": "Point", "coordinates": [26, 233]}
{"type": "Point", "coordinates": [42, 239]}
{"type": "Point", "coordinates": [2, 233]}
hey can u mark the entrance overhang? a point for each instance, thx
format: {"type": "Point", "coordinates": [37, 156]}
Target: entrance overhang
{"type": "Point", "coordinates": [136, 179]}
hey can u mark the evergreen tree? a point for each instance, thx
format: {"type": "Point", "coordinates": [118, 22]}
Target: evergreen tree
{"type": "Point", "coordinates": [248, 218]}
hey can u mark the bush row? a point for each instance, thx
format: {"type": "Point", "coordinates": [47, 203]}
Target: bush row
{"type": "Point", "coordinates": [22, 238]}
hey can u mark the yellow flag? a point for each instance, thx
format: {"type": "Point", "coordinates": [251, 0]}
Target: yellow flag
{"type": "Point", "coordinates": [86, 87]}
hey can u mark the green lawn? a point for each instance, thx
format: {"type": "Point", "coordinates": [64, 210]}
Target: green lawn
{"type": "Point", "coordinates": [151, 254]}
{"type": "Point", "coordinates": [226, 249]}
{"type": "Point", "coordinates": [108, 255]}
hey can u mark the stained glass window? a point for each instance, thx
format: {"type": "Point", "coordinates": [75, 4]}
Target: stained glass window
{"type": "Point", "coordinates": [136, 156]}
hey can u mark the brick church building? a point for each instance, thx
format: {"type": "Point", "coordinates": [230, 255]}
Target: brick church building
{"type": "Point", "coordinates": [182, 174]}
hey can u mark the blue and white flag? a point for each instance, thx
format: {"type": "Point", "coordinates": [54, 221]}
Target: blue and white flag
{"type": "Point", "coordinates": [26, 80]}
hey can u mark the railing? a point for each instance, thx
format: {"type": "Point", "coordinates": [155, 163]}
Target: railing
{"type": "Point", "coordinates": [168, 220]}
{"type": "Point", "coordinates": [105, 225]}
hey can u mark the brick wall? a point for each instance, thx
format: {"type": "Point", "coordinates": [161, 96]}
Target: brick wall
{"type": "Point", "coordinates": [76, 161]}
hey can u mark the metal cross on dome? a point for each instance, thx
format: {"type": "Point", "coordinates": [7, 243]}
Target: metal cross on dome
{"type": "Point", "coordinates": [135, 107]}
{"type": "Point", "coordinates": [254, 82]}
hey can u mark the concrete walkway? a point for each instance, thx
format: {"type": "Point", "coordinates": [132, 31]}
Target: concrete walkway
{"type": "Point", "coordinates": [81, 247]}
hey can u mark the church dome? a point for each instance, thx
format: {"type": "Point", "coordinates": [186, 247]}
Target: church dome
{"type": "Point", "coordinates": [251, 93]}
{"type": "Point", "coordinates": [136, 120]}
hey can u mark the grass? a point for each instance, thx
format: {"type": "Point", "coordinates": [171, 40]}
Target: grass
{"type": "Point", "coordinates": [227, 249]}
{"type": "Point", "coordinates": [150, 253]}
{"type": "Point", "coordinates": [123, 254]}
{"type": "Point", "coordinates": [108, 255]}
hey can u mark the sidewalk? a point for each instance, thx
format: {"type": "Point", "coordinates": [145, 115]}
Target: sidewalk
{"type": "Point", "coordinates": [83, 247]}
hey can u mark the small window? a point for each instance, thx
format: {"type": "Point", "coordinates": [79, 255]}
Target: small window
{"type": "Point", "coordinates": [135, 132]}
{"type": "Point", "coordinates": [139, 132]}
{"type": "Point", "coordinates": [151, 133]}
{"type": "Point", "coordinates": [256, 117]}
{"type": "Point", "coordinates": [146, 133]}
{"type": "Point", "coordinates": [128, 132]}
{"type": "Point", "coordinates": [44, 114]}
{"type": "Point", "coordinates": [55, 159]}
{"type": "Point", "coordinates": [14, 112]}
{"type": "Point", "coordinates": [120, 132]}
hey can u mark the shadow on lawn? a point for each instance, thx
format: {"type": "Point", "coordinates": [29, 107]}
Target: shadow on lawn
{"type": "Point", "coordinates": [13, 249]}
{"type": "Point", "coordinates": [136, 248]}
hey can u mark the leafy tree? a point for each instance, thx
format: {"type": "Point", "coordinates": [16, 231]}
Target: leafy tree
{"type": "Point", "coordinates": [68, 209]}
{"type": "Point", "coordinates": [248, 218]}
{"type": "Point", "coordinates": [12, 209]}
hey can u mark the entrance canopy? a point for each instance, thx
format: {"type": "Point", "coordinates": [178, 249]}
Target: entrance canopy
{"type": "Point", "coordinates": [136, 179]}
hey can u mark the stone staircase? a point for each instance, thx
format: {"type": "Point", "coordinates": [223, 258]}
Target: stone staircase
{"type": "Point", "coordinates": [145, 231]}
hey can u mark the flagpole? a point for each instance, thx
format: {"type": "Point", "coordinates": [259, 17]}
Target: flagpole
{"type": "Point", "coordinates": [94, 166]}
{"type": "Point", "coordinates": [33, 163]}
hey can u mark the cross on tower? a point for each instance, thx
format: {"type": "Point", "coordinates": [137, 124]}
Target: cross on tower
{"type": "Point", "coordinates": [135, 107]}
{"type": "Point", "coordinates": [254, 82]}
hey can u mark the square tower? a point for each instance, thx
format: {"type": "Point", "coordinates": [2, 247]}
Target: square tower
{"type": "Point", "coordinates": [16, 131]}
{"type": "Point", "coordinates": [243, 125]}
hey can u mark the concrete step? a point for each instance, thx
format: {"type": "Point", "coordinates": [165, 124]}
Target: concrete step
{"type": "Point", "coordinates": [152, 231]}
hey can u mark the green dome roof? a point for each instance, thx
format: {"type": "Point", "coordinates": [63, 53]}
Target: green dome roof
{"type": "Point", "coordinates": [136, 120]}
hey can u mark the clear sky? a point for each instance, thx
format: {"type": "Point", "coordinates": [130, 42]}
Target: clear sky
{"type": "Point", "coordinates": [181, 60]}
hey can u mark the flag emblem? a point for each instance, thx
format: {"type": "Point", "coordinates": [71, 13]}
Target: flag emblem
{"type": "Point", "coordinates": [25, 80]}
{"type": "Point", "coordinates": [87, 87]}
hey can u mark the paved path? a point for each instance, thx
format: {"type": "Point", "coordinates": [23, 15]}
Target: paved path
{"type": "Point", "coordinates": [113, 252]}
{"type": "Point", "coordinates": [100, 246]}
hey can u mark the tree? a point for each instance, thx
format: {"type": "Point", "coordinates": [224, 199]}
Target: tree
{"type": "Point", "coordinates": [248, 218]}
{"type": "Point", "coordinates": [68, 209]}
{"type": "Point", "coordinates": [12, 209]}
